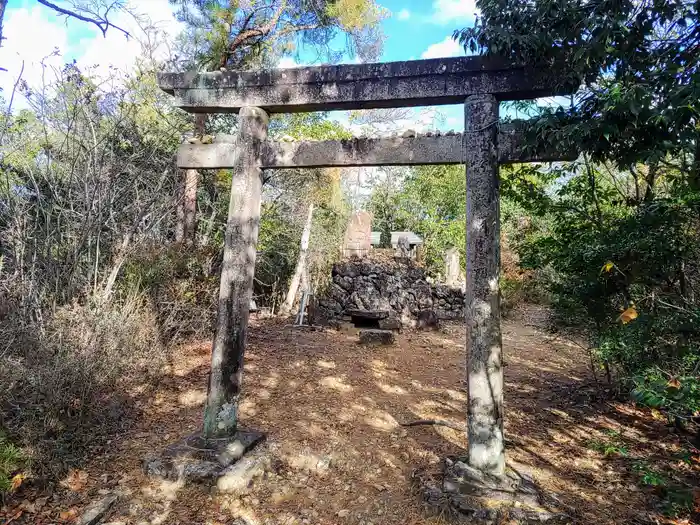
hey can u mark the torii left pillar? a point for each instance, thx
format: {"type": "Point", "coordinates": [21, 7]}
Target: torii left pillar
{"type": "Point", "coordinates": [208, 455]}
{"type": "Point", "coordinates": [237, 272]}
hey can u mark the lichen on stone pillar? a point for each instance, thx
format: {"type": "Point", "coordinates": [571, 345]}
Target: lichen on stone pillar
{"type": "Point", "coordinates": [484, 370]}
{"type": "Point", "coordinates": [237, 271]}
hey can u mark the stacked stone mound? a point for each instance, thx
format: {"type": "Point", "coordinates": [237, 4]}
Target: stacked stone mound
{"type": "Point", "coordinates": [400, 287]}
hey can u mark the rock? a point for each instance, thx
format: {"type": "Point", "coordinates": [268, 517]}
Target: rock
{"type": "Point", "coordinates": [409, 133]}
{"type": "Point", "coordinates": [238, 477]}
{"type": "Point", "coordinates": [383, 285]}
{"type": "Point", "coordinates": [390, 323]}
{"type": "Point", "coordinates": [97, 510]}
{"type": "Point", "coordinates": [310, 462]}
{"type": "Point", "coordinates": [482, 499]}
{"type": "Point", "coordinates": [197, 459]}
{"type": "Point", "coordinates": [243, 521]}
{"type": "Point", "coordinates": [367, 314]}
{"type": "Point", "coordinates": [376, 337]}
{"type": "Point", "coordinates": [343, 513]}
{"type": "Point", "coordinates": [428, 320]}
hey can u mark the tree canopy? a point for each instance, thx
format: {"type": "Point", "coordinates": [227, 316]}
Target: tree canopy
{"type": "Point", "coordinates": [637, 61]}
{"type": "Point", "coordinates": [244, 34]}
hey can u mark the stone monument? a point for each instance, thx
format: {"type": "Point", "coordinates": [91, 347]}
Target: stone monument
{"type": "Point", "coordinates": [358, 235]}
{"type": "Point", "coordinates": [452, 267]}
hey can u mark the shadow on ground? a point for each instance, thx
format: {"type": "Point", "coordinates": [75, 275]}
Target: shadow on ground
{"type": "Point", "coordinates": [334, 409]}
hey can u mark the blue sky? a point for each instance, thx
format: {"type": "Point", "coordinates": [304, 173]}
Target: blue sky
{"type": "Point", "coordinates": [423, 28]}
{"type": "Point", "coordinates": [417, 29]}
{"type": "Point", "coordinates": [42, 42]}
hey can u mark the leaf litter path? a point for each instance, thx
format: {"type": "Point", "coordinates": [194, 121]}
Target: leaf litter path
{"type": "Point", "coordinates": [333, 411]}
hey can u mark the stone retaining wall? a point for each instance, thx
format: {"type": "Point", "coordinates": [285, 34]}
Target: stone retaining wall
{"type": "Point", "coordinates": [398, 287]}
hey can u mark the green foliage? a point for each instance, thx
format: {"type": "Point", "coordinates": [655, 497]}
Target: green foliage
{"type": "Point", "coordinates": [429, 200]}
{"type": "Point", "coordinates": [620, 227]}
{"type": "Point", "coordinates": [612, 444]}
{"type": "Point", "coordinates": [676, 500]}
{"type": "Point", "coordinates": [255, 33]}
{"type": "Point", "coordinates": [678, 396]}
{"type": "Point", "coordinates": [12, 460]}
{"type": "Point", "coordinates": [309, 126]}
{"type": "Point", "coordinates": [278, 248]}
{"type": "Point", "coordinates": [653, 251]}
{"type": "Point", "coordinates": [637, 61]}
{"type": "Point", "coordinates": [288, 195]}
{"type": "Point", "coordinates": [648, 475]}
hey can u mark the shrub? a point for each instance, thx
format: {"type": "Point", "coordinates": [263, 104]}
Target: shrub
{"type": "Point", "coordinates": [182, 283]}
{"type": "Point", "coordinates": [12, 459]}
{"type": "Point", "coordinates": [70, 382]}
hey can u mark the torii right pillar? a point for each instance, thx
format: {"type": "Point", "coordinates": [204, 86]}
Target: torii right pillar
{"type": "Point", "coordinates": [484, 347]}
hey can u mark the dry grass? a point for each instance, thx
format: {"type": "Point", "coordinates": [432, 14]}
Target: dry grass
{"type": "Point", "coordinates": [68, 381]}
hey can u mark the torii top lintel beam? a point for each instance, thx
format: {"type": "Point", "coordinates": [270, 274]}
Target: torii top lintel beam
{"type": "Point", "coordinates": [411, 83]}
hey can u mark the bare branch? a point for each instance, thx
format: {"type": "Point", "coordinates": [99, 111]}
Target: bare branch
{"type": "Point", "coordinates": [102, 22]}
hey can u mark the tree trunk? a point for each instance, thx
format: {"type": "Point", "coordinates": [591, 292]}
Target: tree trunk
{"type": "Point", "coordinates": [301, 264]}
{"type": "Point", "coordinates": [189, 204]}
{"type": "Point", "coordinates": [186, 227]}
{"type": "Point", "coordinates": [237, 273]}
{"type": "Point", "coordinates": [695, 170]}
{"type": "Point", "coordinates": [484, 353]}
{"type": "Point", "coordinates": [180, 212]}
{"type": "Point", "coordinates": [117, 264]}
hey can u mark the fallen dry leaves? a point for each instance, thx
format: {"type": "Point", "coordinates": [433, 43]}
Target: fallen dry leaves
{"type": "Point", "coordinates": [75, 480]}
{"type": "Point", "coordinates": [318, 394]}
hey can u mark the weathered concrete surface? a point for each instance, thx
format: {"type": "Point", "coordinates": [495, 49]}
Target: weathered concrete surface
{"type": "Point", "coordinates": [484, 352]}
{"type": "Point", "coordinates": [237, 478]}
{"type": "Point", "coordinates": [237, 271]}
{"type": "Point", "coordinates": [373, 336]}
{"type": "Point", "coordinates": [397, 151]}
{"type": "Point", "coordinates": [97, 510]}
{"type": "Point", "coordinates": [467, 495]}
{"type": "Point", "coordinates": [358, 86]}
{"type": "Point", "coordinates": [199, 459]}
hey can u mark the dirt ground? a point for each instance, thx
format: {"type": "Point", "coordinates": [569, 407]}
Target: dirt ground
{"type": "Point", "coordinates": [333, 410]}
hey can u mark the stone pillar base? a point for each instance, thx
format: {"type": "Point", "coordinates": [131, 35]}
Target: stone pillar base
{"type": "Point", "coordinates": [467, 495]}
{"type": "Point", "coordinates": [197, 459]}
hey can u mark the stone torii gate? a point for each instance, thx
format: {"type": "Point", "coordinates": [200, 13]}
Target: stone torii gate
{"type": "Point", "coordinates": [479, 83]}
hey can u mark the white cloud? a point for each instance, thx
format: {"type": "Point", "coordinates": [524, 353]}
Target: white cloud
{"type": "Point", "coordinates": [31, 38]}
{"type": "Point", "coordinates": [287, 62]}
{"type": "Point", "coordinates": [454, 122]}
{"type": "Point", "coordinates": [446, 48]}
{"type": "Point", "coordinates": [152, 29]}
{"type": "Point", "coordinates": [34, 34]}
{"type": "Point", "coordinates": [451, 11]}
{"type": "Point", "coordinates": [404, 14]}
